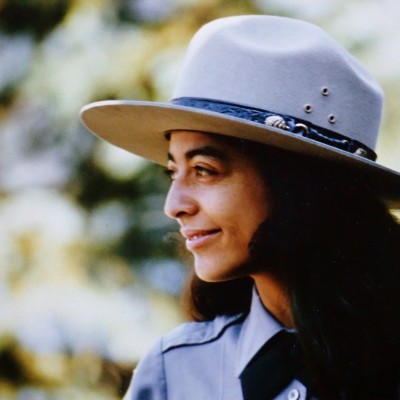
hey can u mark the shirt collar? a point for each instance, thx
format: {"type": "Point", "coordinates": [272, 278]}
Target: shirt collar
{"type": "Point", "coordinates": [259, 327]}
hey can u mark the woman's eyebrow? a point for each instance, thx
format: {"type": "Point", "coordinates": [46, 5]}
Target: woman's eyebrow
{"type": "Point", "coordinates": [208, 151]}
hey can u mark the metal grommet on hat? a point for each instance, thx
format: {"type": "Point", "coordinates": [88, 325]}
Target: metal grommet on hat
{"type": "Point", "coordinates": [308, 108]}
{"type": "Point", "coordinates": [331, 118]}
{"type": "Point", "coordinates": [325, 91]}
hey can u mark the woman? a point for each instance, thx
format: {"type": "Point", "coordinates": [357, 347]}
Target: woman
{"type": "Point", "coordinates": [274, 184]}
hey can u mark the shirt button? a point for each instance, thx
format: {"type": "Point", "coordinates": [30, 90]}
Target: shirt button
{"type": "Point", "coordinates": [294, 394]}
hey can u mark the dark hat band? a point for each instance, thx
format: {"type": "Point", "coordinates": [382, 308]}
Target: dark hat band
{"type": "Point", "coordinates": [284, 122]}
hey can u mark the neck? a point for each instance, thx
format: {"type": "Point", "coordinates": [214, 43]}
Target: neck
{"type": "Point", "coordinates": [274, 298]}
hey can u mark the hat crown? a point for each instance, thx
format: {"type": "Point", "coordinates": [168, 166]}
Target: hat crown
{"type": "Point", "coordinates": [285, 66]}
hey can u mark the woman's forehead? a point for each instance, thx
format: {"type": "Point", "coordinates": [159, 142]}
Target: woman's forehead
{"type": "Point", "coordinates": [184, 137]}
{"type": "Point", "coordinates": [189, 144]}
{"type": "Point", "coordinates": [187, 139]}
{"type": "Point", "coordinates": [185, 145]}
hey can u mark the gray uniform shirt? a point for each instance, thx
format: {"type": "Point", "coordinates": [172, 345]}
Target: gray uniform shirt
{"type": "Point", "coordinates": [203, 360]}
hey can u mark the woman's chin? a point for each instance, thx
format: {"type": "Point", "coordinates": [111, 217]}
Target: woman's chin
{"type": "Point", "coordinates": [212, 272]}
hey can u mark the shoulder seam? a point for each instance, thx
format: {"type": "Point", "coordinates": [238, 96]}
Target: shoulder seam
{"type": "Point", "coordinates": [195, 333]}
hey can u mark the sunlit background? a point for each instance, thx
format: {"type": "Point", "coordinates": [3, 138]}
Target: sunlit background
{"type": "Point", "coordinates": [89, 274]}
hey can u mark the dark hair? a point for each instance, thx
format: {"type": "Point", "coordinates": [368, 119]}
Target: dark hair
{"type": "Point", "coordinates": [336, 248]}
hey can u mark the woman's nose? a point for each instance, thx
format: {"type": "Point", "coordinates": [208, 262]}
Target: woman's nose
{"type": "Point", "coordinates": [180, 201]}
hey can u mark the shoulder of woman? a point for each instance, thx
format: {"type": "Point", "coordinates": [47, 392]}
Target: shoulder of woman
{"type": "Point", "coordinates": [194, 333]}
{"type": "Point", "coordinates": [149, 380]}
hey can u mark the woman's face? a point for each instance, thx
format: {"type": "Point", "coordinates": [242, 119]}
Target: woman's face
{"type": "Point", "coordinates": [219, 199]}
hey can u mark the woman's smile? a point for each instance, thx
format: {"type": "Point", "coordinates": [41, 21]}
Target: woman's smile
{"type": "Point", "coordinates": [198, 238]}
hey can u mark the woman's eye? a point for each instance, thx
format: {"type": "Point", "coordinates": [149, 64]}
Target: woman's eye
{"type": "Point", "coordinates": [203, 171]}
{"type": "Point", "coordinates": [200, 171]}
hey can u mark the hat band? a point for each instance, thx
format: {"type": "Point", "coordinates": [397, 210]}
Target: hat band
{"type": "Point", "coordinates": [280, 121]}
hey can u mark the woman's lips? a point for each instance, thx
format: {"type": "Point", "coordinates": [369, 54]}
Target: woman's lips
{"type": "Point", "coordinates": [196, 238]}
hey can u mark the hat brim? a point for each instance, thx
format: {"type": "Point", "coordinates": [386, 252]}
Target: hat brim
{"type": "Point", "coordinates": [139, 127]}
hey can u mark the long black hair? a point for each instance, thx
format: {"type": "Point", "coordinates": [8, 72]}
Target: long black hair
{"type": "Point", "coordinates": [335, 246]}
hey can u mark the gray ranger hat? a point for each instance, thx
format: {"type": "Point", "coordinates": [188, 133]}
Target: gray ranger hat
{"type": "Point", "coordinates": [273, 80]}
